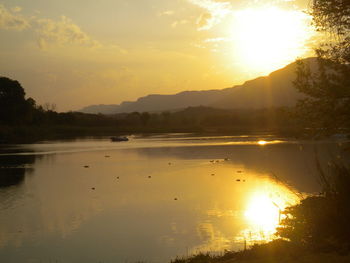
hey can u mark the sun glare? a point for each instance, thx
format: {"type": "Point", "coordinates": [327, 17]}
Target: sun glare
{"type": "Point", "coordinates": [263, 212]}
{"type": "Point", "coordinates": [268, 38]}
{"type": "Point", "coordinates": [262, 142]}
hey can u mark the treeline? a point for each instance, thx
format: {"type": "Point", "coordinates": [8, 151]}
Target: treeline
{"type": "Point", "coordinates": [206, 119]}
{"type": "Point", "coordinates": [22, 120]}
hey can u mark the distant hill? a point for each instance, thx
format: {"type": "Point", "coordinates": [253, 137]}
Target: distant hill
{"type": "Point", "coordinates": [274, 90]}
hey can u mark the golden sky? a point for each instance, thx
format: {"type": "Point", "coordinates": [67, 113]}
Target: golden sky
{"type": "Point", "coordinates": [79, 52]}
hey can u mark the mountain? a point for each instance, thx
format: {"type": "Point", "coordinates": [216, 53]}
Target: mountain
{"type": "Point", "coordinates": [274, 90]}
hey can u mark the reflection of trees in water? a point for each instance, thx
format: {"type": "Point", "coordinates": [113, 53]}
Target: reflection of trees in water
{"type": "Point", "coordinates": [13, 168]}
{"type": "Point", "coordinates": [11, 176]}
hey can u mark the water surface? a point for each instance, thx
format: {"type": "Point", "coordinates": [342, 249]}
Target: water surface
{"type": "Point", "coordinates": [150, 199]}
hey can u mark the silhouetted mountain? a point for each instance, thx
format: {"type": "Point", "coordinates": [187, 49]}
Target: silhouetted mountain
{"type": "Point", "coordinates": [274, 90]}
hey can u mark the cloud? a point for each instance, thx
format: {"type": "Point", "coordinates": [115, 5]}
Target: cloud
{"type": "Point", "coordinates": [216, 11]}
{"type": "Point", "coordinates": [215, 40]}
{"type": "Point", "coordinates": [205, 21]}
{"type": "Point", "coordinates": [16, 9]}
{"type": "Point", "coordinates": [62, 32]}
{"type": "Point", "coordinates": [48, 31]}
{"type": "Point", "coordinates": [179, 22]}
{"type": "Point", "coordinates": [11, 20]}
{"type": "Point", "coordinates": [167, 13]}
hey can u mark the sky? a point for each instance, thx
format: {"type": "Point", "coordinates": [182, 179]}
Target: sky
{"type": "Point", "coordinates": [74, 53]}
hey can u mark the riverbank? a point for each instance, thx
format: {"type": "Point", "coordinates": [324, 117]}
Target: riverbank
{"type": "Point", "coordinates": [317, 228]}
{"type": "Point", "coordinates": [35, 133]}
{"type": "Point", "coordinates": [278, 251]}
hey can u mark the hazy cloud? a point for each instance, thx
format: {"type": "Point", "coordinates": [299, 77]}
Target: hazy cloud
{"type": "Point", "coordinates": [62, 32]}
{"type": "Point", "coordinates": [205, 21]}
{"type": "Point", "coordinates": [11, 20]}
{"type": "Point", "coordinates": [179, 22]}
{"type": "Point", "coordinates": [16, 9]}
{"type": "Point", "coordinates": [49, 32]}
{"type": "Point", "coordinates": [167, 13]}
{"type": "Point", "coordinates": [215, 40]}
{"type": "Point", "coordinates": [216, 11]}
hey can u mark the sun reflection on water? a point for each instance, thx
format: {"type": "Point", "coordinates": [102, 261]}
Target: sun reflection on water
{"type": "Point", "coordinates": [262, 142]}
{"type": "Point", "coordinates": [263, 211]}
{"type": "Point", "coordinates": [254, 213]}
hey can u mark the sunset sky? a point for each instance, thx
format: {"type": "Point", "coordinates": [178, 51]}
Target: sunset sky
{"type": "Point", "coordinates": [79, 52]}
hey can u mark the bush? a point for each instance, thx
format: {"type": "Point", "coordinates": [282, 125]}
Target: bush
{"type": "Point", "coordinates": [321, 222]}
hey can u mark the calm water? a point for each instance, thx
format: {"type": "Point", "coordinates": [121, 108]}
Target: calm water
{"type": "Point", "coordinates": [150, 199]}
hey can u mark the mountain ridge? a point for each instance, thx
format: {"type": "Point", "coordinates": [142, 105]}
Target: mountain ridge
{"type": "Point", "coordinates": [273, 90]}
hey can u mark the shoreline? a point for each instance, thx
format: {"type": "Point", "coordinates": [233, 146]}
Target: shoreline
{"type": "Point", "coordinates": [32, 134]}
{"type": "Point", "coordinates": [277, 251]}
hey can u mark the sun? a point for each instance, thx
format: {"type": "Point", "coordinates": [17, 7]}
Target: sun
{"type": "Point", "coordinates": [265, 39]}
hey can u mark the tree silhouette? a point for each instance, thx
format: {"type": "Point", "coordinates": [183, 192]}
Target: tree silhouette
{"type": "Point", "coordinates": [12, 101]}
{"type": "Point", "coordinates": [321, 222]}
{"type": "Point", "coordinates": [14, 108]}
{"type": "Point", "coordinates": [327, 107]}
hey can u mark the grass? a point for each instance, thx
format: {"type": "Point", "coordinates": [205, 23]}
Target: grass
{"type": "Point", "coordinates": [278, 251]}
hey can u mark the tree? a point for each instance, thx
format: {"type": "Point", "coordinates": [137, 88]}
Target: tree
{"type": "Point", "coordinates": [322, 222]}
{"type": "Point", "coordinates": [13, 105]}
{"type": "Point", "coordinates": [145, 118]}
{"type": "Point", "coordinates": [327, 107]}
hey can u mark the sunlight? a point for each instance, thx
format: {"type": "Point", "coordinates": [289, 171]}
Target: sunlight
{"type": "Point", "coordinates": [268, 38]}
{"type": "Point", "coordinates": [262, 142]}
{"type": "Point", "coordinates": [263, 208]}
{"type": "Point", "coordinates": [263, 212]}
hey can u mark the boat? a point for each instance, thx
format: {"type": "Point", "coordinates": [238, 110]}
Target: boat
{"type": "Point", "coordinates": [119, 139]}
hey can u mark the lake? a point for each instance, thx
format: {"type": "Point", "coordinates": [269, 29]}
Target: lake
{"type": "Point", "coordinates": [152, 198]}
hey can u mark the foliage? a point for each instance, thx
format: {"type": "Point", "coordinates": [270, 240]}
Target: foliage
{"type": "Point", "coordinates": [322, 222]}
{"type": "Point", "coordinates": [14, 108]}
{"type": "Point", "coordinates": [316, 230]}
{"type": "Point", "coordinates": [272, 252]}
{"type": "Point", "coordinates": [21, 120]}
{"type": "Point", "coordinates": [327, 107]}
